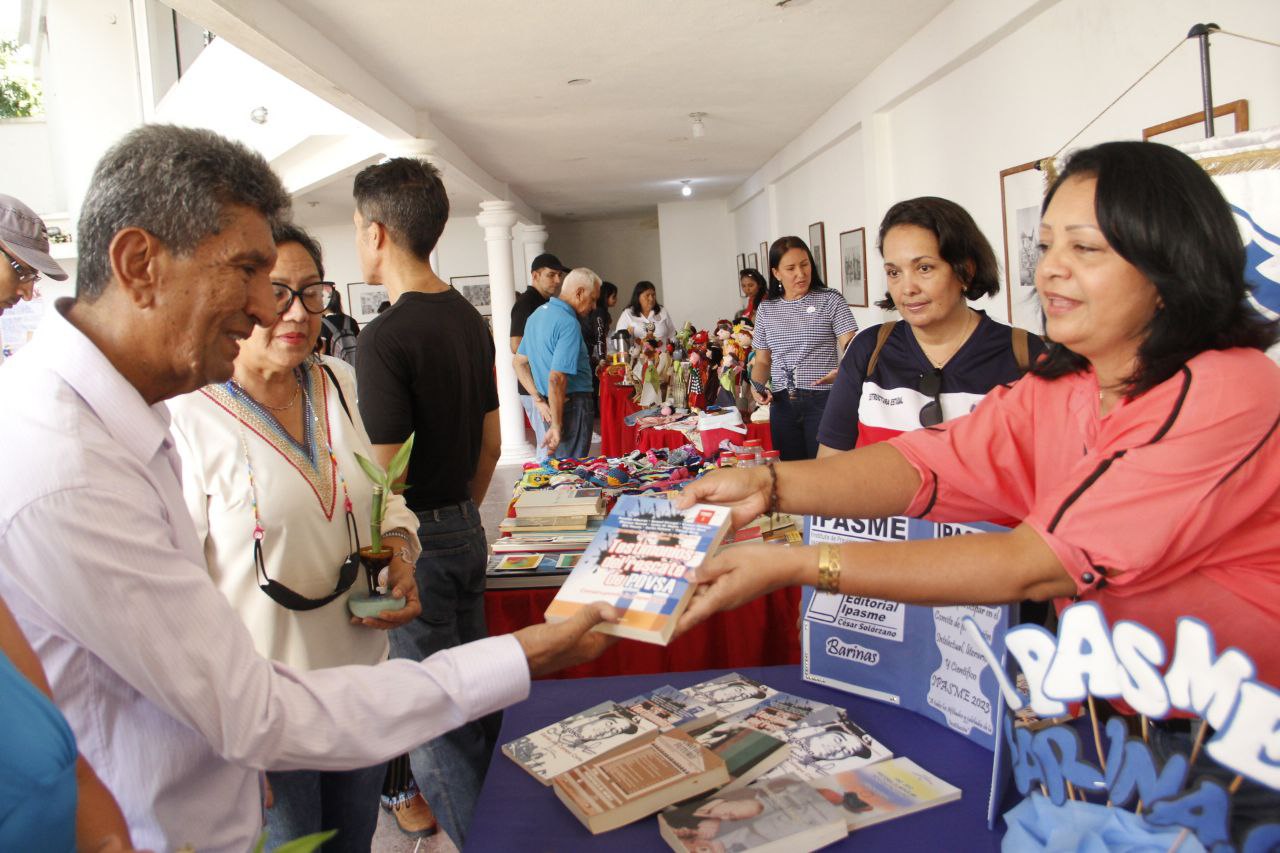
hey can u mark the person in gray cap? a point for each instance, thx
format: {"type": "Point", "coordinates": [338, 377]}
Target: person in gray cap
{"type": "Point", "coordinates": [24, 242]}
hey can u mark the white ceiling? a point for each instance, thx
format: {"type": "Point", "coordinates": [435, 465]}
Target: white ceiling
{"type": "Point", "coordinates": [492, 75]}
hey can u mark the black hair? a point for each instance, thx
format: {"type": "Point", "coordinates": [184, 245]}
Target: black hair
{"type": "Point", "coordinates": [779, 248]}
{"type": "Point", "coordinates": [607, 289]}
{"type": "Point", "coordinates": [960, 243]}
{"type": "Point", "coordinates": [408, 198]}
{"type": "Point", "coordinates": [1160, 211]}
{"type": "Point", "coordinates": [640, 288]}
{"type": "Point", "coordinates": [761, 285]}
{"type": "Point", "coordinates": [287, 232]}
{"type": "Point", "coordinates": [176, 184]}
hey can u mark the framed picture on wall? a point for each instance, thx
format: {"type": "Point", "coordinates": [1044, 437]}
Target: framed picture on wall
{"type": "Point", "coordinates": [818, 245]}
{"type": "Point", "coordinates": [764, 259]}
{"type": "Point", "coordinates": [742, 262]}
{"type": "Point", "coordinates": [1191, 127]}
{"type": "Point", "coordinates": [853, 267]}
{"type": "Point", "coordinates": [363, 300]}
{"type": "Point", "coordinates": [476, 290]}
{"type": "Point", "coordinates": [1021, 192]}
{"type": "Point", "coordinates": [753, 261]}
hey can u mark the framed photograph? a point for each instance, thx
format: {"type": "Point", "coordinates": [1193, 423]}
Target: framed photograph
{"type": "Point", "coordinates": [476, 290]}
{"type": "Point", "coordinates": [818, 245]}
{"type": "Point", "coordinates": [1021, 192]}
{"type": "Point", "coordinates": [1191, 127]}
{"type": "Point", "coordinates": [764, 259]}
{"type": "Point", "coordinates": [853, 267]}
{"type": "Point", "coordinates": [742, 262]}
{"type": "Point", "coordinates": [363, 300]}
{"type": "Point", "coordinates": [753, 261]}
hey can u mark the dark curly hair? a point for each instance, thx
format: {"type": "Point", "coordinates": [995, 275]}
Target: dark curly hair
{"type": "Point", "coordinates": [960, 243]}
{"type": "Point", "coordinates": [1161, 212]}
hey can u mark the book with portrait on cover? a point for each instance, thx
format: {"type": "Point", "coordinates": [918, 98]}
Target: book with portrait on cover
{"type": "Point", "coordinates": [827, 742]}
{"type": "Point", "coordinates": [653, 772]}
{"type": "Point", "coordinates": [669, 708]}
{"type": "Point", "coordinates": [561, 746]}
{"type": "Point", "coordinates": [781, 815]}
{"type": "Point", "coordinates": [641, 561]}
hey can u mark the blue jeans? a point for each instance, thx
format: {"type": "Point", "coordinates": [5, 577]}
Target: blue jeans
{"type": "Point", "coordinates": [450, 574]}
{"type": "Point", "coordinates": [575, 426]}
{"type": "Point", "coordinates": [530, 405]}
{"type": "Point", "coordinates": [794, 417]}
{"type": "Point", "coordinates": [308, 801]}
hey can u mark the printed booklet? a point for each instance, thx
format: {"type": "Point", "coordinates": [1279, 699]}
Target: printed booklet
{"type": "Point", "coordinates": [659, 769]}
{"type": "Point", "coordinates": [562, 746]}
{"type": "Point", "coordinates": [781, 815]}
{"type": "Point", "coordinates": [669, 708]}
{"type": "Point", "coordinates": [884, 791]}
{"type": "Point", "coordinates": [640, 561]}
{"type": "Point", "coordinates": [827, 742]}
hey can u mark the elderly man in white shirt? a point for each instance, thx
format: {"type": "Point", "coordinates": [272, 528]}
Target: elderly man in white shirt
{"type": "Point", "coordinates": [101, 563]}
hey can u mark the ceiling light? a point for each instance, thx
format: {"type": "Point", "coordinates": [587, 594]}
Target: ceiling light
{"type": "Point", "coordinates": [579, 81]}
{"type": "Point", "coordinates": [258, 115]}
{"type": "Point", "coordinates": [685, 189]}
{"type": "Point", "coordinates": [699, 129]}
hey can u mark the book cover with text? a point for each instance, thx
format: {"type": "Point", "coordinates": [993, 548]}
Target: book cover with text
{"type": "Point", "coordinates": [641, 561]}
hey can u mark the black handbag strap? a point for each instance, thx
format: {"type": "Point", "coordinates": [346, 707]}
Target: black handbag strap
{"type": "Point", "coordinates": [341, 397]}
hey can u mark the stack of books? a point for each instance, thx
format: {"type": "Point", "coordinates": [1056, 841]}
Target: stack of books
{"type": "Point", "coordinates": [730, 760]}
{"type": "Point", "coordinates": [543, 541]}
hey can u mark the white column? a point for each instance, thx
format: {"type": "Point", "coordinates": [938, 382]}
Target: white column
{"type": "Point", "coordinates": [534, 238]}
{"type": "Point", "coordinates": [496, 218]}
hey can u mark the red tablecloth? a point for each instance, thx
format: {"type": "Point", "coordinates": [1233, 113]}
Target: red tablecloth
{"type": "Point", "coordinates": [760, 633]}
{"type": "Point", "coordinates": [616, 438]}
{"type": "Point", "coordinates": [652, 439]}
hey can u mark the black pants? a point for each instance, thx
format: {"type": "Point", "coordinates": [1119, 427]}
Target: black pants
{"type": "Point", "coordinates": [794, 417]}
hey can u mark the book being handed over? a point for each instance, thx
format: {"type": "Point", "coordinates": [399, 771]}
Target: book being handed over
{"type": "Point", "coordinates": [641, 561]}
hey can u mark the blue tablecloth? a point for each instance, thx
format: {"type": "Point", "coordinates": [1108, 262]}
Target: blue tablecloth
{"type": "Point", "coordinates": [517, 813]}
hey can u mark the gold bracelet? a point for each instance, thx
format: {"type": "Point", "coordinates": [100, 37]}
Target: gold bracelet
{"type": "Point", "coordinates": [773, 491]}
{"type": "Point", "coordinates": [828, 568]}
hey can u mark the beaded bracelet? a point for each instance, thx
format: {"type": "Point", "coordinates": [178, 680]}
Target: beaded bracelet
{"type": "Point", "coordinates": [773, 491]}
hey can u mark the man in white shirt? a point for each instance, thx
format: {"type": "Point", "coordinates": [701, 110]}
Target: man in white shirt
{"type": "Point", "coordinates": [100, 561]}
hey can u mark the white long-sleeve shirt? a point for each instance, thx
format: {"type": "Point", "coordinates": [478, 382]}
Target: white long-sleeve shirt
{"type": "Point", "coordinates": [154, 670]}
{"type": "Point", "coordinates": [664, 328]}
{"type": "Point", "coordinates": [300, 502]}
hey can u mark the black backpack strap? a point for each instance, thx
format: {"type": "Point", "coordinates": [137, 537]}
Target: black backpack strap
{"type": "Point", "coordinates": [341, 397]}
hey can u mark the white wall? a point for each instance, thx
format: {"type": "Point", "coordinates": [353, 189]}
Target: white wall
{"type": "Point", "coordinates": [698, 261]}
{"type": "Point", "coordinates": [623, 251]}
{"type": "Point", "coordinates": [986, 86]}
{"type": "Point", "coordinates": [29, 173]}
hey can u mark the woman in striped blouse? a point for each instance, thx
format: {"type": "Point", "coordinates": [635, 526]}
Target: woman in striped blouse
{"type": "Point", "coordinates": [802, 327]}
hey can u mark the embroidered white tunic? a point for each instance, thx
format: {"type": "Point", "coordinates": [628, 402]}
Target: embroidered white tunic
{"type": "Point", "coordinates": [300, 502]}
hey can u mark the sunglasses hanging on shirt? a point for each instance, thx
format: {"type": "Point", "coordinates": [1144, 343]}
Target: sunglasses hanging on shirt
{"type": "Point", "coordinates": [275, 590]}
{"type": "Point", "coordinates": [931, 386]}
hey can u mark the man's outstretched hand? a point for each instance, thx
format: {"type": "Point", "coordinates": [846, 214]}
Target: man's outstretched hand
{"type": "Point", "coordinates": [552, 646]}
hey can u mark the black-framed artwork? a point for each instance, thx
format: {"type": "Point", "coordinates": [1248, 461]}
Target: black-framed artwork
{"type": "Point", "coordinates": [818, 245]}
{"type": "Point", "coordinates": [476, 290]}
{"type": "Point", "coordinates": [363, 300]}
{"type": "Point", "coordinates": [853, 267]}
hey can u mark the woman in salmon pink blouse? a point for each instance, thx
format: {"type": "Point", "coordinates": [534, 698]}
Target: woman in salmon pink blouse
{"type": "Point", "coordinates": [1141, 455]}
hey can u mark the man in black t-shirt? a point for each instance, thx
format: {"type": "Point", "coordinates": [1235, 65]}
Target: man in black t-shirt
{"type": "Point", "coordinates": [426, 368]}
{"type": "Point", "coordinates": [548, 275]}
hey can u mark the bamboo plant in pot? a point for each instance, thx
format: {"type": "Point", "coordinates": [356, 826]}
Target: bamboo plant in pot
{"type": "Point", "coordinates": [377, 556]}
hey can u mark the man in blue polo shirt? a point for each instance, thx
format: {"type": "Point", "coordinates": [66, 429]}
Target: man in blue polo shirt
{"type": "Point", "coordinates": [552, 365]}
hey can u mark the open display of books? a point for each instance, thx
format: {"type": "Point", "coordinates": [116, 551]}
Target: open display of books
{"type": "Point", "coordinates": [728, 760]}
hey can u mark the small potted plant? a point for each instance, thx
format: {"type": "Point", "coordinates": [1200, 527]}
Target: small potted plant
{"type": "Point", "coordinates": [376, 557]}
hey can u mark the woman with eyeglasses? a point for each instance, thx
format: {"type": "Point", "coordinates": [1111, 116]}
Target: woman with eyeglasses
{"type": "Point", "coordinates": [271, 480]}
{"type": "Point", "coordinates": [945, 356]}
{"type": "Point", "coordinates": [801, 329]}
{"type": "Point", "coordinates": [1140, 455]}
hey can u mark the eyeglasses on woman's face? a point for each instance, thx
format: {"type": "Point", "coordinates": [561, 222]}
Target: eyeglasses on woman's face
{"type": "Point", "coordinates": [314, 297]}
